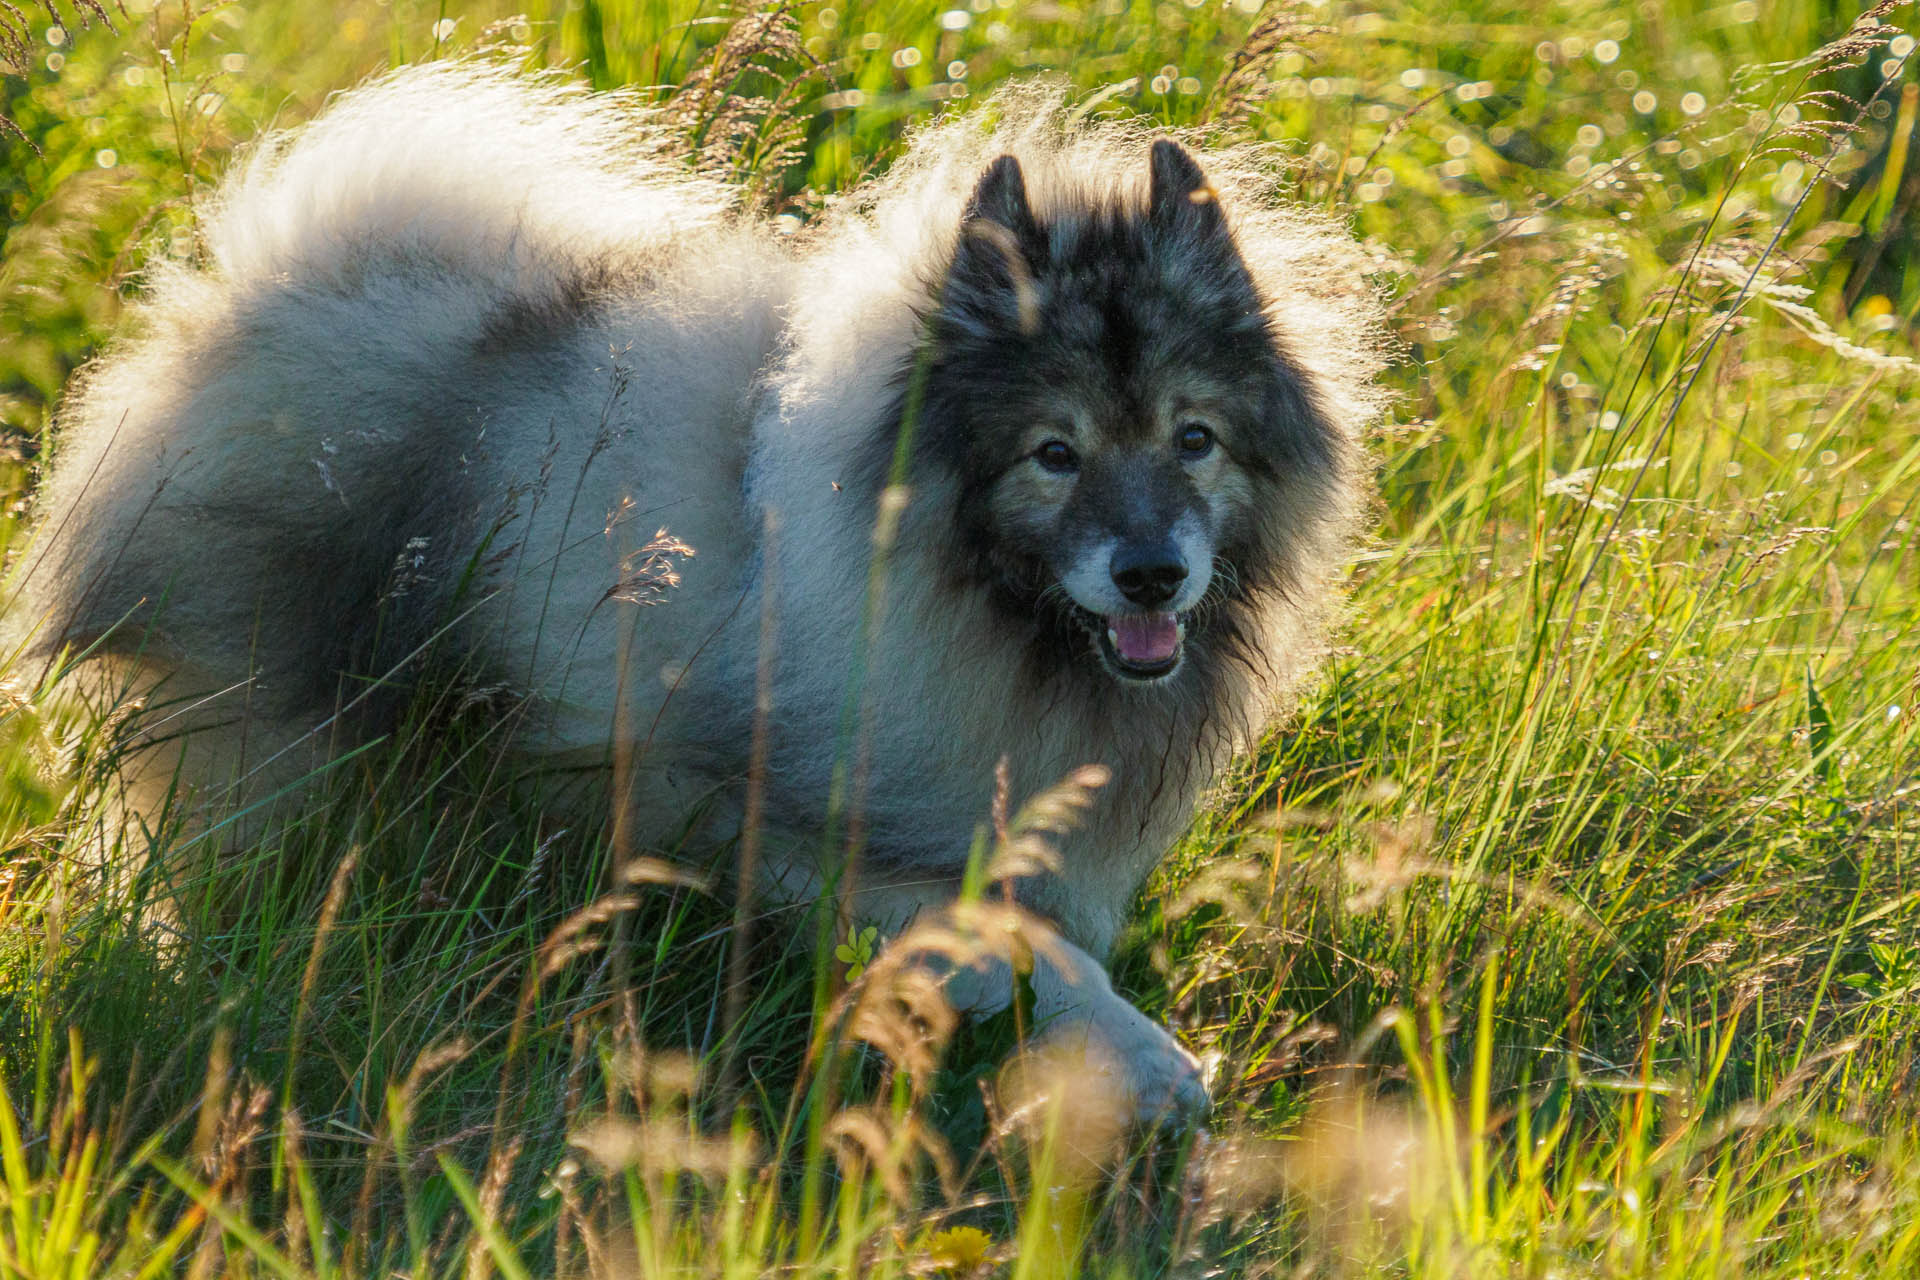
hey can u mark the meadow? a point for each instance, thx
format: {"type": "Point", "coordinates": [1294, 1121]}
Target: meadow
{"type": "Point", "coordinates": [1569, 930]}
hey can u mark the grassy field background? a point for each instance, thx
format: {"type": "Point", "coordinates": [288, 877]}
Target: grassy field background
{"type": "Point", "coordinates": [1570, 930]}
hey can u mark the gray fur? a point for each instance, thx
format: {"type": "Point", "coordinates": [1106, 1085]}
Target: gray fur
{"type": "Point", "coordinates": [465, 343]}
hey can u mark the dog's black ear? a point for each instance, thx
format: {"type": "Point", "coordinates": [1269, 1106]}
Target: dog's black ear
{"type": "Point", "coordinates": [1180, 196]}
{"type": "Point", "coordinates": [1001, 197]}
{"type": "Point", "coordinates": [991, 284]}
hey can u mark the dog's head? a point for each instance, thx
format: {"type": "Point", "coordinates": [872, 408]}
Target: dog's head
{"type": "Point", "coordinates": [1128, 442]}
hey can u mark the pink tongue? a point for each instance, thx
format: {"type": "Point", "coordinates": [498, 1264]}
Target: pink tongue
{"type": "Point", "coordinates": [1145, 638]}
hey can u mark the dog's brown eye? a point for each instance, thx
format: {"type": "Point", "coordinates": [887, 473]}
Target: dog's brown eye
{"type": "Point", "coordinates": [1195, 440]}
{"type": "Point", "coordinates": [1056, 455]}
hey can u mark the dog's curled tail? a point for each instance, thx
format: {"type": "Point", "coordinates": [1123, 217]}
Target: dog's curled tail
{"type": "Point", "coordinates": [456, 165]}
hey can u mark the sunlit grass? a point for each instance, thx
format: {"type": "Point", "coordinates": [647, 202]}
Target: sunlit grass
{"type": "Point", "coordinates": [1570, 931]}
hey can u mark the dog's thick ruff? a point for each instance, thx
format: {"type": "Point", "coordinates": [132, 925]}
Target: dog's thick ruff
{"type": "Point", "coordinates": [464, 345]}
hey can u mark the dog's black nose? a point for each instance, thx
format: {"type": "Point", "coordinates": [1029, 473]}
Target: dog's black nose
{"type": "Point", "coordinates": [1148, 576]}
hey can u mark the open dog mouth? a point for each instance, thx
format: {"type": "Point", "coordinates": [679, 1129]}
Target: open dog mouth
{"type": "Point", "coordinates": [1140, 646]}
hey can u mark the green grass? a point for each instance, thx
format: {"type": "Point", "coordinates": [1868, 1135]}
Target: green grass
{"type": "Point", "coordinates": [1569, 931]}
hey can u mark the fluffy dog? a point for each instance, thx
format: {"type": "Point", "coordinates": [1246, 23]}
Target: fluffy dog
{"type": "Point", "coordinates": [473, 365]}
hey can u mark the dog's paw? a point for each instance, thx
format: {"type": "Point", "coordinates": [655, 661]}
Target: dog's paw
{"type": "Point", "coordinates": [1110, 1056]}
{"type": "Point", "coordinates": [1102, 1063]}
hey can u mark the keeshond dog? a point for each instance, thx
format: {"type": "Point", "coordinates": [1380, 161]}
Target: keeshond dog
{"type": "Point", "coordinates": [1041, 451]}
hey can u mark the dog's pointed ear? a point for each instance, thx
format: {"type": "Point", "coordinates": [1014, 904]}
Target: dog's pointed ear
{"type": "Point", "coordinates": [991, 283]}
{"type": "Point", "coordinates": [1180, 196]}
{"type": "Point", "coordinates": [1001, 197]}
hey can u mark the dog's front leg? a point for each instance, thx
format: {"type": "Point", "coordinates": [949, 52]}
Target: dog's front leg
{"type": "Point", "coordinates": [1084, 1032]}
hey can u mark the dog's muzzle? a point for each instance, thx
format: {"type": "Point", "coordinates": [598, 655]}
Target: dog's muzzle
{"type": "Point", "coordinates": [1145, 645]}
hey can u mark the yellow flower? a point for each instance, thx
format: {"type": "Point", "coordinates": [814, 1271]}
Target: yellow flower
{"type": "Point", "coordinates": [957, 1249]}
